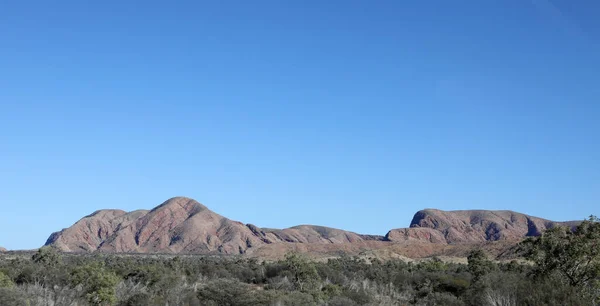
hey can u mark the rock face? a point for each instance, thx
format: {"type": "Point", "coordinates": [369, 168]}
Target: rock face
{"type": "Point", "coordinates": [2, 249]}
{"type": "Point", "coordinates": [182, 225]}
{"type": "Point", "coordinates": [471, 226]}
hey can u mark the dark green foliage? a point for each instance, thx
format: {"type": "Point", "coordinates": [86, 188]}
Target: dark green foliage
{"type": "Point", "coordinates": [303, 272]}
{"type": "Point", "coordinates": [47, 256]}
{"type": "Point", "coordinates": [98, 283]}
{"type": "Point", "coordinates": [330, 291]}
{"type": "Point", "coordinates": [479, 265]}
{"type": "Point", "coordinates": [569, 257]}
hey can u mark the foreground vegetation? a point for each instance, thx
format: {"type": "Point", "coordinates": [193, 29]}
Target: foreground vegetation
{"type": "Point", "coordinates": [563, 269]}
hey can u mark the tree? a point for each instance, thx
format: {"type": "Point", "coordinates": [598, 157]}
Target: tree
{"type": "Point", "coordinates": [304, 272]}
{"type": "Point", "coordinates": [98, 282]}
{"type": "Point", "coordinates": [574, 255]}
{"type": "Point", "coordinates": [478, 264]}
{"type": "Point", "coordinates": [46, 256]}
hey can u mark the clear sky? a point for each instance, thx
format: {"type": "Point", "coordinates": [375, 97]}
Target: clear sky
{"type": "Point", "coordinates": [349, 114]}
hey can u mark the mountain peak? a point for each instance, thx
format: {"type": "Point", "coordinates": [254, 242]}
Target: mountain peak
{"type": "Point", "coordinates": [183, 225]}
{"type": "Point", "coordinates": [190, 205]}
{"type": "Point", "coordinates": [106, 213]}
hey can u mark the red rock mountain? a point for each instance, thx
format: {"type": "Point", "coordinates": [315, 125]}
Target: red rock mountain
{"type": "Point", "coordinates": [182, 225]}
{"type": "Point", "coordinates": [471, 226]}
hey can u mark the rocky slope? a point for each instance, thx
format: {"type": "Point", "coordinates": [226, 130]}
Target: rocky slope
{"type": "Point", "coordinates": [471, 226]}
{"type": "Point", "coordinates": [2, 249]}
{"type": "Point", "coordinates": [182, 225]}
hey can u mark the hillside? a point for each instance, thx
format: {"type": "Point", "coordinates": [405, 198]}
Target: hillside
{"type": "Point", "coordinates": [471, 226]}
{"type": "Point", "coordinates": [183, 225]}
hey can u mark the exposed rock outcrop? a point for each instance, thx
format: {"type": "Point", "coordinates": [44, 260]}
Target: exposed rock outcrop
{"type": "Point", "coordinates": [182, 225]}
{"type": "Point", "coordinates": [471, 226]}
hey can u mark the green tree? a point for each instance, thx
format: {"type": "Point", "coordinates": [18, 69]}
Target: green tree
{"type": "Point", "coordinates": [574, 255]}
{"type": "Point", "coordinates": [305, 273]}
{"type": "Point", "coordinates": [98, 283]}
{"type": "Point", "coordinates": [479, 265]}
{"type": "Point", "coordinates": [47, 256]}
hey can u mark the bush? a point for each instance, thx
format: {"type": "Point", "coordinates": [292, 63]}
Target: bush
{"type": "Point", "coordinates": [47, 278]}
{"type": "Point", "coordinates": [224, 292]}
{"type": "Point", "coordinates": [297, 298]}
{"type": "Point", "coordinates": [5, 281]}
{"type": "Point", "coordinates": [442, 298]}
{"type": "Point", "coordinates": [12, 297]}
{"type": "Point", "coordinates": [98, 283]}
{"type": "Point", "coordinates": [341, 301]}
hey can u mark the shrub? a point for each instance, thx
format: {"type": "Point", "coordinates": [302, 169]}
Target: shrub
{"type": "Point", "coordinates": [5, 281]}
{"type": "Point", "coordinates": [12, 297]}
{"type": "Point", "coordinates": [98, 283]}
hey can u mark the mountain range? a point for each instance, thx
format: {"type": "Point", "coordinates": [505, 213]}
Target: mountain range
{"type": "Point", "coordinates": [182, 225]}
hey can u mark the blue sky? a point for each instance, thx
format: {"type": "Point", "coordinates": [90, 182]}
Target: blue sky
{"type": "Point", "coordinates": [349, 114]}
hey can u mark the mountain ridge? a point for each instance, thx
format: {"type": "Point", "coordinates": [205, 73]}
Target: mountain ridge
{"type": "Point", "coordinates": [184, 225]}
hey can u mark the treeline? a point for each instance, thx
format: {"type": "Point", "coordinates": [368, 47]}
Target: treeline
{"type": "Point", "coordinates": [563, 268]}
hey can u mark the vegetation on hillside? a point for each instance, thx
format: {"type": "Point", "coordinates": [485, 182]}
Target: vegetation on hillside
{"type": "Point", "coordinates": [563, 268]}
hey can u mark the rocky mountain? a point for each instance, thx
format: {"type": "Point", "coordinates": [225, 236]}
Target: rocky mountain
{"type": "Point", "coordinates": [2, 249]}
{"type": "Point", "coordinates": [471, 226]}
{"type": "Point", "coordinates": [183, 225]}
